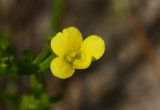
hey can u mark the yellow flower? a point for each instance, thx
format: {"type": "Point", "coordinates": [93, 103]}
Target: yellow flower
{"type": "Point", "coordinates": [74, 53]}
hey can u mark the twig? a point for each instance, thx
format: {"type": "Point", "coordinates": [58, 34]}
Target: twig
{"type": "Point", "coordinates": [145, 44]}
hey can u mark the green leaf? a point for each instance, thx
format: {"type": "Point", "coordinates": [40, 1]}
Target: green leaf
{"type": "Point", "coordinates": [5, 49]}
{"type": "Point", "coordinates": [29, 102]}
{"type": "Point", "coordinates": [55, 99]}
{"type": "Point", "coordinates": [37, 83]}
{"type": "Point", "coordinates": [12, 70]}
{"type": "Point", "coordinates": [35, 102]}
{"type": "Point", "coordinates": [3, 41]}
{"type": "Point", "coordinates": [48, 42]}
{"type": "Point", "coordinates": [45, 99]}
{"type": "Point", "coordinates": [25, 67]}
{"type": "Point", "coordinates": [7, 65]}
{"type": "Point", "coordinates": [28, 55]}
{"type": "Point", "coordinates": [9, 97]}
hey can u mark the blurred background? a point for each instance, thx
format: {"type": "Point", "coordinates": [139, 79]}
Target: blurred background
{"type": "Point", "coordinates": [127, 77]}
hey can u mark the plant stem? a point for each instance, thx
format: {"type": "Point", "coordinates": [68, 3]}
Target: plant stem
{"type": "Point", "coordinates": [56, 15]}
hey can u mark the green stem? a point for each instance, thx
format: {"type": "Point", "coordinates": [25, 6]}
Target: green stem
{"type": "Point", "coordinates": [43, 60]}
{"type": "Point", "coordinates": [45, 52]}
{"type": "Point", "coordinates": [56, 16]}
{"type": "Point", "coordinates": [46, 63]}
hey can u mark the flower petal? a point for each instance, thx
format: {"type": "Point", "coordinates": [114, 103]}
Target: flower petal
{"type": "Point", "coordinates": [83, 62]}
{"type": "Point", "coordinates": [70, 39]}
{"type": "Point", "coordinates": [61, 69]}
{"type": "Point", "coordinates": [94, 45]}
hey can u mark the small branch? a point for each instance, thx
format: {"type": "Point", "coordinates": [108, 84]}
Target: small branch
{"type": "Point", "coordinates": [145, 44]}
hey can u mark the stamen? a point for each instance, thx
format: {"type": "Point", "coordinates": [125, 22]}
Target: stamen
{"type": "Point", "coordinates": [72, 56]}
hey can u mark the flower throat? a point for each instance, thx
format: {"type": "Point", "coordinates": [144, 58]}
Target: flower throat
{"type": "Point", "coordinates": [72, 56]}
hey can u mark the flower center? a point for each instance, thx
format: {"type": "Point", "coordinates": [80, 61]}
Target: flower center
{"type": "Point", "coordinates": [72, 56]}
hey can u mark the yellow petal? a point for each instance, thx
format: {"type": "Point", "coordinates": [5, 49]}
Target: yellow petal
{"type": "Point", "coordinates": [94, 45]}
{"type": "Point", "coordinates": [69, 40]}
{"type": "Point", "coordinates": [61, 69]}
{"type": "Point", "coordinates": [83, 62]}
